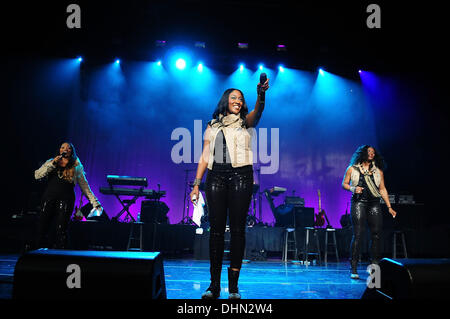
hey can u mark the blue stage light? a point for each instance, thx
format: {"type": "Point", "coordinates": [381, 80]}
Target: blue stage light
{"type": "Point", "coordinates": [80, 59]}
{"type": "Point", "coordinates": [281, 68]}
{"type": "Point", "coordinates": [158, 63]}
{"type": "Point", "coordinates": [261, 67]}
{"type": "Point", "coordinates": [241, 67]}
{"type": "Point", "coordinates": [117, 61]}
{"type": "Point", "coordinates": [180, 64]}
{"type": "Point", "coordinates": [200, 67]}
{"type": "Point", "coordinates": [321, 71]}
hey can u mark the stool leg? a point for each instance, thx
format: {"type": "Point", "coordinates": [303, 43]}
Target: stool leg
{"type": "Point", "coordinates": [130, 237]}
{"type": "Point", "coordinates": [295, 246]}
{"type": "Point", "coordinates": [394, 247]}
{"type": "Point", "coordinates": [335, 246]}
{"type": "Point", "coordinates": [318, 246]}
{"type": "Point", "coordinates": [326, 248]}
{"type": "Point", "coordinates": [404, 245]}
{"type": "Point", "coordinates": [141, 241]}
{"type": "Point", "coordinates": [307, 245]}
{"type": "Point", "coordinates": [284, 259]}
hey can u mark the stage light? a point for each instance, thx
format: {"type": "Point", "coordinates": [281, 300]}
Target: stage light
{"type": "Point", "coordinates": [180, 64]}
{"type": "Point", "coordinates": [158, 63]}
{"type": "Point", "coordinates": [359, 71]}
{"type": "Point", "coordinates": [281, 47]}
{"type": "Point", "coordinates": [160, 43]}
{"type": "Point", "coordinates": [117, 61]}
{"type": "Point", "coordinates": [261, 67]}
{"type": "Point", "coordinates": [79, 59]}
{"type": "Point", "coordinates": [241, 67]}
{"type": "Point", "coordinates": [281, 68]}
{"type": "Point", "coordinates": [321, 71]}
{"type": "Point", "coordinates": [199, 44]}
{"type": "Point", "coordinates": [200, 67]}
{"type": "Point", "coordinates": [242, 45]}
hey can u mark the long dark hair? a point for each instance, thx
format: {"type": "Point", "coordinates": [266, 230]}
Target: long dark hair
{"type": "Point", "coordinates": [69, 169]}
{"type": "Point", "coordinates": [222, 106]}
{"type": "Point", "coordinates": [361, 156]}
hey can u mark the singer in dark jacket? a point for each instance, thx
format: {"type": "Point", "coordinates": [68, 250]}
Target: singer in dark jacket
{"type": "Point", "coordinates": [63, 172]}
{"type": "Point", "coordinates": [227, 154]}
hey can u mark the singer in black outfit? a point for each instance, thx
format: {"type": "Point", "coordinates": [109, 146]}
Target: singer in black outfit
{"type": "Point", "coordinates": [62, 173]}
{"type": "Point", "coordinates": [229, 183]}
{"type": "Point", "coordinates": [364, 178]}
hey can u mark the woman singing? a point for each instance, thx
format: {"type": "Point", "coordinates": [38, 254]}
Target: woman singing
{"type": "Point", "coordinates": [227, 154]}
{"type": "Point", "coordinates": [364, 178]}
{"type": "Point", "coordinates": [63, 172]}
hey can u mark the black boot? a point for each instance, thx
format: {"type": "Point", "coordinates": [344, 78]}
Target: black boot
{"type": "Point", "coordinates": [213, 291]}
{"type": "Point", "coordinates": [233, 277]}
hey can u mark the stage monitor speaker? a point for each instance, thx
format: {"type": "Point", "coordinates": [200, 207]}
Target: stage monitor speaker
{"type": "Point", "coordinates": [89, 275]}
{"type": "Point", "coordinates": [154, 212]}
{"type": "Point", "coordinates": [411, 279]}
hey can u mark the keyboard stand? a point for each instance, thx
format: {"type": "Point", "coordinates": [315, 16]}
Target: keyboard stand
{"type": "Point", "coordinates": [126, 203]}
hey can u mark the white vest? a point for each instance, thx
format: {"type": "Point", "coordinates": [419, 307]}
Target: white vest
{"type": "Point", "coordinates": [354, 179]}
{"type": "Point", "coordinates": [237, 137]}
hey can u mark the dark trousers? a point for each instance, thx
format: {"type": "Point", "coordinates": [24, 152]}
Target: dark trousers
{"type": "Point", "coordinates": [363, 212]}
{"type": "Point", "coordinates": [54, 212]}
{"type": "Point", "coordinates": [228, 191]}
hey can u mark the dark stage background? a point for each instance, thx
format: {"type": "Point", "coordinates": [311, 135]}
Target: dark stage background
{"type": "Point", "coordinates": [121, 117]}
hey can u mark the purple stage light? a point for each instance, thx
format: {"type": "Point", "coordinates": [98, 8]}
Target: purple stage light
{"type": "Point", "coordinates": [242, 45]}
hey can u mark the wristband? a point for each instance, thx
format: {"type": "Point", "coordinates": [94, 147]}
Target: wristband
{"type": "Point", "coordinates": [197, 182]}
{"type": "Point", "coordinates": [352, 189]}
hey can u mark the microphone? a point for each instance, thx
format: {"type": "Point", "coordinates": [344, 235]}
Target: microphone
{"type": "Point", "coordinates": [262, 94]}
{"type": "Point", "coordinates": [64, 154]}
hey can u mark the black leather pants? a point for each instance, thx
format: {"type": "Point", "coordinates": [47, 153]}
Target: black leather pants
{"type": "Point", "coordinates": [228, 191]}
{"type": "Point", "coordinates": [58, 211]}
{"type": "Point", "coordinates": [362, 212]}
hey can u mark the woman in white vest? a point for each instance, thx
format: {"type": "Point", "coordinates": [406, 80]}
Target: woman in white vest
{"type": "Point", "coordinates": [227, 154]}
{"type": "Point", "coordinates": [364, 178]}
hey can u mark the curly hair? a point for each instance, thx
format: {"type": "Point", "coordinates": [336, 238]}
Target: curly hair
{"type": "Point", "coordinates": [361, 155]}
{"type": "Point", "coordinates": [69, 169]}
{"type": "Point", "coordinates": [222, 106]}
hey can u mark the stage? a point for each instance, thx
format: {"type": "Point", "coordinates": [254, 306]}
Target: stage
{"type": "Point", "coordinates": [133, 86]}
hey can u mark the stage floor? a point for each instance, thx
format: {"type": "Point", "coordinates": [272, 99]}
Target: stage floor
{"type": "Point", "coordinates": [272, 279]}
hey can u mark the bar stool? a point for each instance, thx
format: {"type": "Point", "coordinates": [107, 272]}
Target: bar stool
{"type": "Point", "coordinates": [333, 244]}
{"type": "Point", "coordinates": [306, 251]}
{"type": "Point", "coordinates": [133, 237]}
{"type": "Point", "coordinates": [403, 243]}
{"type": "Point", "coordinates": [287, 244]}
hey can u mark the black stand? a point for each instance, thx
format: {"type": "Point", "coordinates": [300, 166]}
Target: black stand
{"type": "Point", "coordinates": [186, 220]}
{"type": "Point", "coordinates": [126, 203]}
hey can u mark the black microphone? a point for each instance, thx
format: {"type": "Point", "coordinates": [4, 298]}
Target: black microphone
{"type": "Point", "coordinates": [64, 154]}
{"type": "Point", "coordinates": [262, 94]}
